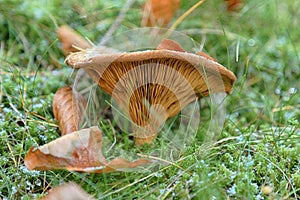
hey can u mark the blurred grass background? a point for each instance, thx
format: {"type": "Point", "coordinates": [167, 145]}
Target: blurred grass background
{"type": "Point", "coordinates": [258, 148]}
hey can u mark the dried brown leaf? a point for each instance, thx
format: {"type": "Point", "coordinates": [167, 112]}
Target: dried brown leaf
{"type": "Point", "coordinates": [68, 109]}
{"type": "Point", "coordinates": [71, 39]}
{"type": "Point", "coordinates": [123, 164]}
{"type": "Point", "coordinates": [158, 12]}
{"type": "Point", "coordinates": [168, 44]}
{"type": "Point", "coordinates": [79, 151]}
{"type": "Point", "coordinates": [68, 191]}
{"type": "Point", "coordinates": [233, 5]}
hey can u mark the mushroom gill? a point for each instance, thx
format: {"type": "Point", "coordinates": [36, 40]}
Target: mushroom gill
{"type": "Point", "coordinates": [152, 86]}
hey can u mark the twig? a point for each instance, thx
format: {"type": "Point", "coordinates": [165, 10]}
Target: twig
{"type": "Point", "coordinates": [117, 22]}
{"type": "Point", "coordinates": [133, 183]}
{"type": "Point", "coordinates": [115, 137]}
{"type": "Point", "coordinates": [285, 108]}
{"type": "Point", "coordinates": [159, 159]}
{"type": "Point", "coordinates": [184, 15]}
{"type": "Point", "coordinates": [173, 184]}
{"type": "Point", "coordinates": [108, 34]}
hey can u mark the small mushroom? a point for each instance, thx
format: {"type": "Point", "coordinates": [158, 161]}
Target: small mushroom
{"type": "Point", "coordinates": [154, 85]}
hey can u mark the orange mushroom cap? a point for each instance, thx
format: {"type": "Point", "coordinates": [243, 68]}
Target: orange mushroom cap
{"type": "Point", "coordinates": [153, 85]}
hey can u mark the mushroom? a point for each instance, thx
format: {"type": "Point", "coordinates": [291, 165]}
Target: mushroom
{"type": "Point", "coordinates": [153, 85]}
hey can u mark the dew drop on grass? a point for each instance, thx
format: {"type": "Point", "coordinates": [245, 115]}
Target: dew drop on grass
{"type": "Point", "coordinates": [281, 41]}
{"type": "Point", "coordinates": [2, 133]}
{"type": "Point", "coordinates": [38, 105]}
{"type": "Point", "coordinates": [195, 178]}
{"type": "Point", "coordinates": [14, 189]}
{"type": "Point", "coordinates": [38, 13]}
{"type": "Point", "coordinates": [191, 180]}
{"type": "Point", "coordinates": [275, 65]}
{"type": "Point", "coordinates": [232, 190]}
{"type": "Point", "coordinates": [285, 98]}
{"type": "Point", "coordinates": [251, 42]}
{"type": "Point", "coordinates": [240, 138]}
{"type": "Point", "coordinates": [233, 175]}
{"type": "Point", "coordinates": [277, 91]}
{"type": "Point", "coordinates": [6, 110]}
{"type": "Point", "coordinates": [292, 90]}
{"type": "Point", "coordinates": [26, 171]}
{"type": "Point", "coordinates": [158, 175]}
{"type": "Point", "coordinates": [101, 26]}
{"type": "Point", "coordinates": [38, 182]}
{"type": "Point", "coordinates": [162, 191]}
{"type": "Point", "coordinates": [210, 174]}
{"type": "Point", "coordinates": [44, 137]}
{"type": "Point", "coordinates": [29, 185]}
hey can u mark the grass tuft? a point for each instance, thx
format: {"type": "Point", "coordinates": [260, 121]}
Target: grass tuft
{"type": "Point", "coordinates": [256, 155]}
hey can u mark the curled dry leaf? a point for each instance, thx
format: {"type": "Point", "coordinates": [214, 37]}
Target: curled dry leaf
{"type": "Point", "coordinates": [67, 191]}
{"type": "Point", "coordinates": [80, 151]}
{"type": "Point", "coordinates": [68, 109]}
{"type": "Point", "coordinates": [158, 12]}
{"type": "Point", "coordinates": [168, 44]}
{"type": "Point", "coordinates": [70, 39]}
{"type": "Point", "coordinates": [233, 5]}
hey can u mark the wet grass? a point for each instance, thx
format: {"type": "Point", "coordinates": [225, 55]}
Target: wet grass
{"type": "Point", "coordinates": [257, 149]}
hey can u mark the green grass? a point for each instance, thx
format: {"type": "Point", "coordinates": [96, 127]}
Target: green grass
{"type": "Point", "coordinates": [259, 144]}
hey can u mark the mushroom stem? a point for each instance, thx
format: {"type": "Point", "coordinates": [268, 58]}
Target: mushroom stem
{"type": "Point", "coordinates": [143, 136]}
{"type": "Point", "coordinates": [147, 133]}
